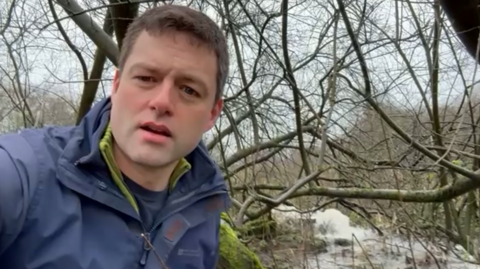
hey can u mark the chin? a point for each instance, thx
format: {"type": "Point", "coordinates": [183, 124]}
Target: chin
{"type": "Point", "coordinates": [146, 159]}
{"type": "Point", "coordinates": [153, 163]}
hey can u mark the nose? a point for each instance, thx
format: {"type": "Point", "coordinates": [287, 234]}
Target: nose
{"type": "Point", "coordinates": [162, 99]}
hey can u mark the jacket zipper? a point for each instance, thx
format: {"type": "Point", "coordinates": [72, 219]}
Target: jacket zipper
{"type": "Point", "coordinates": [147, 248]}
{"type": "Point", "coordinates": [147, 235]}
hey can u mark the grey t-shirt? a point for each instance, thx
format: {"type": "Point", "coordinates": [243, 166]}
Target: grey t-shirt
{"type": "Point", "coordinates": [149, 202]}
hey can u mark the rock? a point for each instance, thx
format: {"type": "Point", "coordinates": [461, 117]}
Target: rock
{"type": "Point", "coordinates": [342, 242]}
{"type": "Point", "coordinates": [297, 242]}
{"type": "Point", "coordinates": [319, 246]}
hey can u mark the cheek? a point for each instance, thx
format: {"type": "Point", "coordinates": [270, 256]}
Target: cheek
{"type": "Point", "coordinates": [197, 118]}
{"type": "Point", "coordinates": [206, 120]}
{"type": "Point", "coordinates": [131, 101]}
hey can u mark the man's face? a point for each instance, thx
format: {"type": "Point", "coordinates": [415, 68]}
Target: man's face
{"type": "Point", "coordinates": [164, 99]}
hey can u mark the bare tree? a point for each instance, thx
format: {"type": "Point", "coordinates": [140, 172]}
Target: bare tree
{"type": "Point", "coordinates": [365, 104]}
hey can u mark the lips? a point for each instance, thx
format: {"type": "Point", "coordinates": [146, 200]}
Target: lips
{"type": "Point", "coordinates": [158, 129]}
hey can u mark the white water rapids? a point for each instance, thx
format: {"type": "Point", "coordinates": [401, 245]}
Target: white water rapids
{"type": "Point", "coordinates": [387, 252]}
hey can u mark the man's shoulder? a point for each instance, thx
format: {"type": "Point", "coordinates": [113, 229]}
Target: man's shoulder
{"type": "Point", "coordinates": [28, 160]}
{"type": "Point", "coordinates": [26, 152]}
{"type": "Point", "coordinates": [36, 138]}
{"type": "Point", "coordinates": [24, 158]}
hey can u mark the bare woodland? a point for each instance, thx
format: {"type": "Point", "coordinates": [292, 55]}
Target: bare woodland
{"type": "Point", "coordinates": [368, 106]}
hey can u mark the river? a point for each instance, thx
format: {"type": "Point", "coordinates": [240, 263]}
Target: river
{"type": "Point", "coordinates": [383, 252]}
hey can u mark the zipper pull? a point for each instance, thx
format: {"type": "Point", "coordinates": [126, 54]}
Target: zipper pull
{"type": "Point", "coordinates": [146, 248]}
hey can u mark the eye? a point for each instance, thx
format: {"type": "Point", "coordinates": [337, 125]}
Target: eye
{"type": "Point", "coordinates": [189, 91]}
{"type": "Point", "coordinates": [145, 78]}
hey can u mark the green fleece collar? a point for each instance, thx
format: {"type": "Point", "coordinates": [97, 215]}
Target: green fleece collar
{"type": "Point", "coordinates": [106, 148]}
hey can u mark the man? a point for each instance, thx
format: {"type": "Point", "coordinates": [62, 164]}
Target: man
{"type": "Point", "coordinates": [132, 186]}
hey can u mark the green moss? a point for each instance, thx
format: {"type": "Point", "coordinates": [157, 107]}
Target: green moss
{"type": "Point", "coordinates": [226, 218]}
{"type": "Point", "coordinates": [233, 253]}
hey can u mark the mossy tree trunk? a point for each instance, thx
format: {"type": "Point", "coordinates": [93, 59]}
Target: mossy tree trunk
{"type": "Point", "coordinates": [233, 253]}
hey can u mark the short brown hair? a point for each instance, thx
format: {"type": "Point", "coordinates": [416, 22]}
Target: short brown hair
{"type": "Point", "coordinates": [183, 19]}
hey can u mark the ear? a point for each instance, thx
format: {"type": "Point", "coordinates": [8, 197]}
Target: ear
{"type": "Point", "coordinates": [116, 82]}
{"type": "Point", "coordinates": [214, 114]}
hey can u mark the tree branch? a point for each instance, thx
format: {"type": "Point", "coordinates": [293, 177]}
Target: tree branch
{"type": "Point", "coordinates": [91, 29]}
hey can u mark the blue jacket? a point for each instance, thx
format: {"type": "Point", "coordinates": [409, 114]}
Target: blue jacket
{"type": "Point", "coordinates": [60, 208]}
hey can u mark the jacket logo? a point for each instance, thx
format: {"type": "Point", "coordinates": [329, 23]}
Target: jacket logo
{"type": "Point", "coordinates": [176, 226]}
{"type": "Point", "coordinates": [189, 252]}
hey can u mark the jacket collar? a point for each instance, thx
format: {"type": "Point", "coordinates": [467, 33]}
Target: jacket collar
{"type": "Point", "coordinates": [83, 151]}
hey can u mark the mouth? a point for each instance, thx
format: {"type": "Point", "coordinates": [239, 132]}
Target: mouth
{"type": "Point", "coordinates": [157, 129]}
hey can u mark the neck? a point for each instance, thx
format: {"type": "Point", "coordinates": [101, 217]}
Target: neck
{"type": "Point", "coordinates": [154, 179]}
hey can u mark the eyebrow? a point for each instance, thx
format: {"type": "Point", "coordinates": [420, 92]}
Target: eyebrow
{"type": "Point", "coordinates": [144, 66]}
